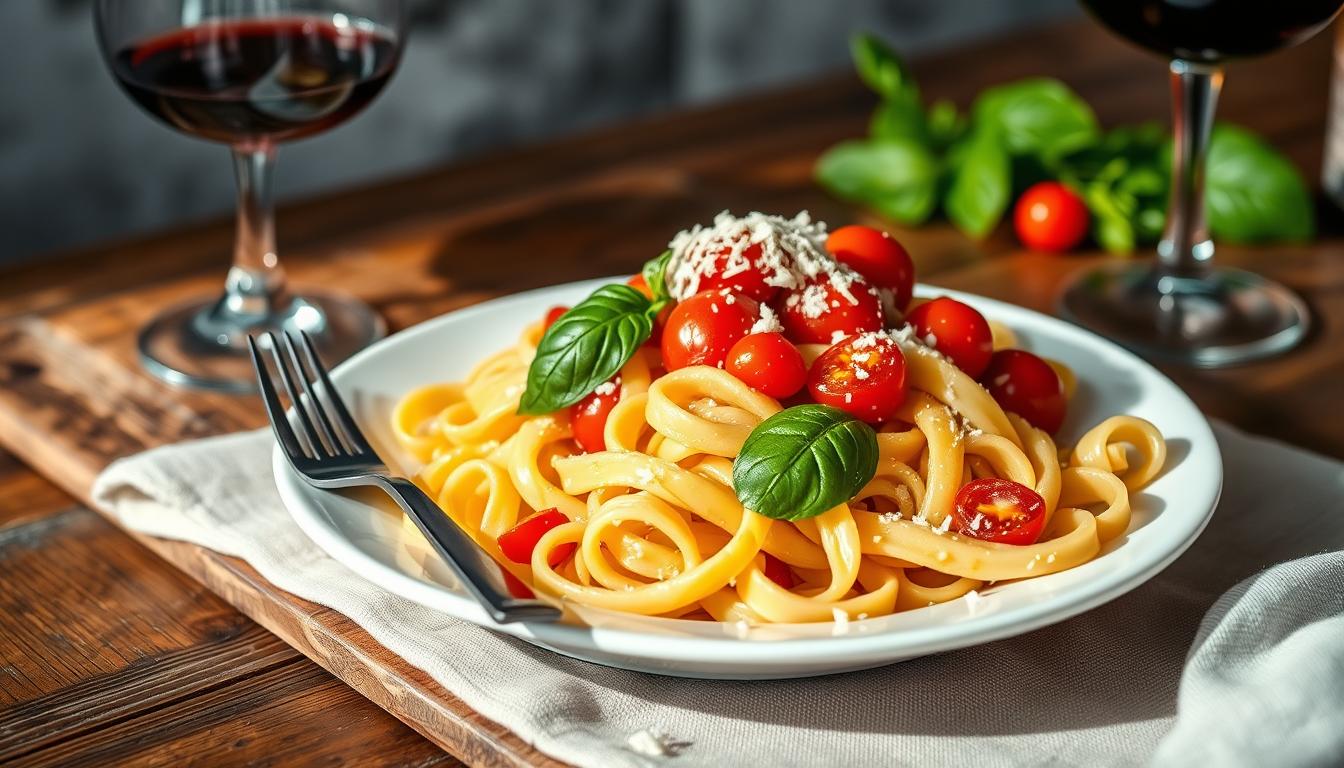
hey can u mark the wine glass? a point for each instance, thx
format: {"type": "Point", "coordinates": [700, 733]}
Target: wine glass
{"type": "Point", "coordinates": [251, 73]}
{"type": "Point", "coordinates": [1183, 308]}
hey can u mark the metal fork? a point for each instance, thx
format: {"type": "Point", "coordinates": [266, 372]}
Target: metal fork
{"type": "Point", "coordinates": [330, 451]}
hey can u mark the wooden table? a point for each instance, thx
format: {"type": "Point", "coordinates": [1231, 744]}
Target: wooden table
{"type": "Point", "coordinates": [109, 654]}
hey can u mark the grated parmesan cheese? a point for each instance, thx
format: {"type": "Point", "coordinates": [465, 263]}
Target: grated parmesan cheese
{"type": "Point", "coordinates": [783, 250]}
{"type": "Point", "coordinates": [768, 322]}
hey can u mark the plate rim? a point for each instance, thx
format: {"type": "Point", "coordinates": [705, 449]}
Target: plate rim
{"type": "Point", "coordinates": [858, 647]}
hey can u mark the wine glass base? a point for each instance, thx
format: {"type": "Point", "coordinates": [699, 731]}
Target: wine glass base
{"type": "Point", "coordinates": [200, 345]}
{"type": "Point", "coordinates": [1224, 317]}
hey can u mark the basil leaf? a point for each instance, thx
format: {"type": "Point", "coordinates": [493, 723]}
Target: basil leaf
{"type": "Point", "coordinates": [655, 275]}
{"type": "Point", "coordinates": [1112, 226]}
{"type": "Point", "coordinates": [900, 118]}
{"type": "Point", "coordinates": [586, 347]}
{"type": "Point", "coordinates": [1253, 193]}
{"type": "Point", "coordinates": [1037, 116]}
{"type": "Point", "coordinates": [803, 461]}
{"type": "Point", "coordinates": [945, 125]}
{"type": "Point", "coordinates": [898, 178]}
{"type": "Point", "coordinates": [881, 69]}
{"type": "Point", "coordinates": [981, 185]}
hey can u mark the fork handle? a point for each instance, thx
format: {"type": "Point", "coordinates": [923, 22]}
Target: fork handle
{"type": "Point", "coordinates": [478, 571]}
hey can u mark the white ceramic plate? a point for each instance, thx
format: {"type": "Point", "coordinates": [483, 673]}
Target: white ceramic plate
{"type": "Point", "coordinates": [366, 534]}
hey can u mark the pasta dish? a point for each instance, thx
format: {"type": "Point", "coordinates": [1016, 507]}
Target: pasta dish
{"type": "Point", "coordinates": [766, 426]}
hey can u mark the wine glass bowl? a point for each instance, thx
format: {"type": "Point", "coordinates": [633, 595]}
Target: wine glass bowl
{"type": "Point", "coordinates": [251, 74]}
{"type": "Point", "coordinates": [1184, 308]}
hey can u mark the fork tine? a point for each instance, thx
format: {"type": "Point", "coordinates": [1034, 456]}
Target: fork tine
{"type": "Point", "coordinates": [287, 378]}
{"type": "Point", "coordinates": [354, 436]}
{"type": "Point", "coordinates": [279, 422]}
{"type": "Point", "coordinates": [314, 405]}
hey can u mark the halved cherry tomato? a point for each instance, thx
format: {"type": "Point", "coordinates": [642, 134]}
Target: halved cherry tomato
{"type": "Point", "coordinates": [588, 417]}
{"type": "Point", "coordinates": [1003, 511]}
{"type": "Point", "coordinates": [1026, 385]}
{"type": "Point", "coordinates": [862, 375]}
{"type": "Point", "coordinates": [518, 542]}
{"type": "Point", "coordinates": [817, 312]}
{"type": "Point", "coordinates": [878, 257]}
{"type": "Point", "coordinates": [956, 330]}
{"type": "Point", "coordinates": [777, 571]}
{"type": "Point", "coordinates": [743, 274]}
{"type": "Point", "coordinates": [516, 587]}
{"type": "Point", "coordinates": [768, 363]}
{"type": "Point", "coordinates": [554, 314]}
{"type": "Point", "coordinates": [702, 329]}
{"type": "Point", "coordinates": [1050, 217]}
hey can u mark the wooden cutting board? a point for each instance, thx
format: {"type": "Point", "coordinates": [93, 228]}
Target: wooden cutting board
{"type": "Point", "coordinates": [73, 397]}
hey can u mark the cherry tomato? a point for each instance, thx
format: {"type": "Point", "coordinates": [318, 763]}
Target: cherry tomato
{"type": "Point", "coordinates": [878, 257]}
{"type": "Point", "coordinates": [747, 275]}
{"type": "Point", "coordinates": [516, 587]}
{"type": "Point", "coordinates": [768, 363]}
{"type": "Point", "coordinates": [518, 542]}
{"type": "Point", "coordinates": [817, 312]}
{"type": "Point", "coordinates": [862, 375]}
{"type": "Point", "coordinates": [1004, 511]}
{"type": "Point", "coordinates": [1026, 385]}
{"type": "Point", "coordinates": [702, 329]}
{"type": "Point", "coordinates": [588, 417]}
{"type": "Point", "coordinates": [554, 314]}
{"type": "Point", "coordinates": [777, 571]}
{"type": "Point", "coordinates": [956, 330]}
{"type": "Point", "coordinates": [1050, 217]}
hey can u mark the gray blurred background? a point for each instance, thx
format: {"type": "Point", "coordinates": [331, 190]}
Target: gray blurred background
{"type": "Point", "coordinates": [79, 163]}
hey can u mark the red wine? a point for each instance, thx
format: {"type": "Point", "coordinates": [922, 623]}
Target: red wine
{"type": "Point", "coordinates": [258, 79]}
{"type": "Point", "coordinates": [1212, 30]}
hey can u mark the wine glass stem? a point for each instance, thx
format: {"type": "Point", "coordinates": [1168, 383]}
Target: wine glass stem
{"type": "Point", "coordinates": [256, 282]}
{"type": "Point", "coordinates": [1185, 249]}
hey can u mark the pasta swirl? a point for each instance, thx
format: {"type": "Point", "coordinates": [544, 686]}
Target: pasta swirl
{"type": "Point", "coordinates": [658, 530]}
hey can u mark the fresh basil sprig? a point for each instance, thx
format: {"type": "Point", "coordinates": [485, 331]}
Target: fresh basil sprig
{"type": "Point", "coordinates": [898, 178]}
{"type": "Point", "coordinates": [979, 190]}
{"type": "Point", "coordinates": [880, 68]}
{"type": "Point", "coordinates": [589, 343]}
{"type": "Point", "coordinates": [1254, 194]}
{"type": "Point", "coordinates": [654, 274]}
{"type": "Point", "coordinates": [916, 161]}
{"type": "Point", "coordinates": [1038, 116]}
{"type": "Point", "coordinates": [804, 460]}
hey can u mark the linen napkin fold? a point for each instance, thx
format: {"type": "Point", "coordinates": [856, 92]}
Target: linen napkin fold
{"type": "Point", "coordinates": [1260, 680]}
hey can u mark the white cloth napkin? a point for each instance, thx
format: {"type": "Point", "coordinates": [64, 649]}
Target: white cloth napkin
{"type": "Point", "coordinates": [1259, 681]}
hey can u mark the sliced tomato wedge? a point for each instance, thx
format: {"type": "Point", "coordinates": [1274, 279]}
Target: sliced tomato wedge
{"type": "Point", "coordinates": [516, 587]}
{"type": "Point", "coordinates": [588, 417]}
{"type": "Point", "coordinates": [863, 376]}
{"type": "Point", "coordinates": [554, 314]}
{"type": "Point", "coordinates": [998, 510]}
{"type": "Point", "coordinates": [778, 572]}
{"type": "Point", "coordinates": [518, 542]}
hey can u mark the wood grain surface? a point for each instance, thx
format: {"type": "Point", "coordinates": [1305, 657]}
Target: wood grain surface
{"type": "Point", "coordinates": [85, 604]}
